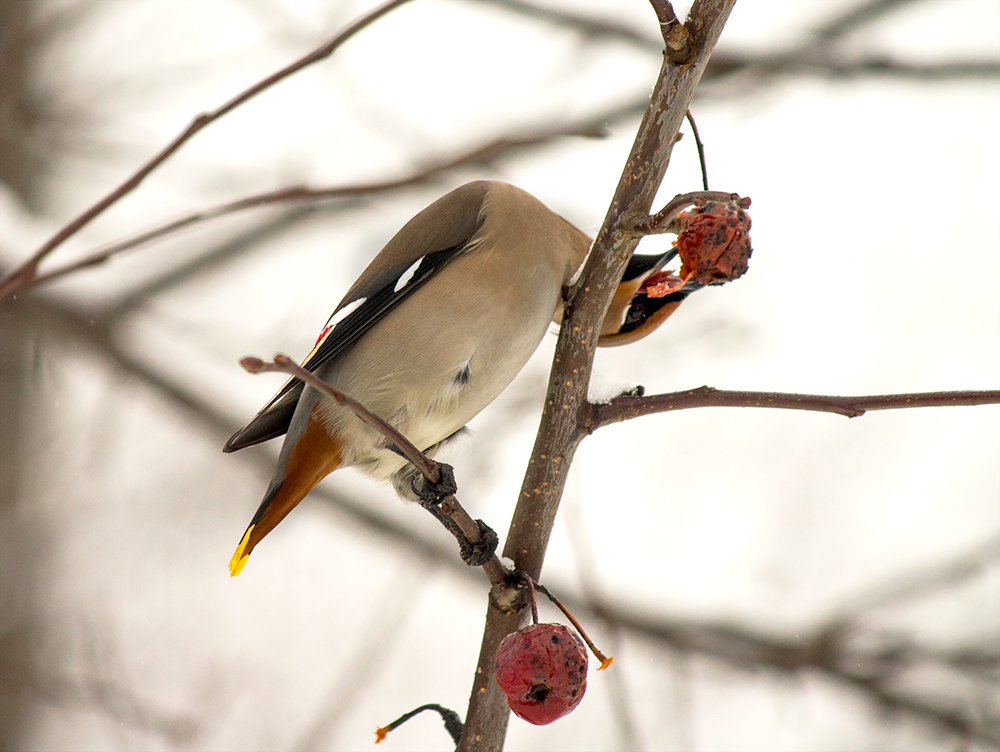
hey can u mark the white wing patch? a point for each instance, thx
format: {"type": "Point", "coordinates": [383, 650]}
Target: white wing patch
{"type": "Point", "coordinates": [406, 276]}
{"type": "Point", "coordinates": [331, 323]}
{"type": "Point", "coordinates": [374, 305]}
{"type": "Point", "coordinates": [343, 313]}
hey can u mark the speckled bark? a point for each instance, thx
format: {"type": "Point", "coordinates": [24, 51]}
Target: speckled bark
{"type": "Point", "coordinates": [560, 431]}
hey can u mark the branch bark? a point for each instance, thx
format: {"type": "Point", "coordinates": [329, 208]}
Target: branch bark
{"type": "Point", "coordinates": [627, 406]}
{"type": "Point", "coordinates": [558, 437]}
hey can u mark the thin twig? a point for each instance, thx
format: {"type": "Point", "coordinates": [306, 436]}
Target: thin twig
{"type": "Point", "coordinates": [664, 13]}
{"type": "Point", "coordinates": [470, 528]}
{"type": "Point", "coordinates": [589, 26]}
{"type": "Point", "coordinates": [627, 407]}
{"type": "Point", "coordinates": [760, 68]}
{"type": "Point", "coordinates": [849, 19]}
{"type": "Point", "coordinates": [654, 224]}
{"type": "Point", "coordinates": [921, 581]}
{"type": "Point", "coordinates": [450, 505]}
{"type": "Point", "coordinates": [815, 58]}
{"type": "Point", "coordinates": [452, 721]}
{"type": "Point", "coordinates": [24, 273]}
{"type": "Point", "coordinates": [746, 648]}
{"type": "Point", "coordinates": [675, 35]}
{"type": "Point", "coordinates": [283, 364]}
{"type": "Point", "coordinates": [481, 154]}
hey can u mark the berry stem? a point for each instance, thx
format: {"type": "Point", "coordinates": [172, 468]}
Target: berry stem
{"type": "Point", "coordinates": [531, 595]}
{"type": "Point", "coordinates": [701, 149]}
{"type": "Point", "coordinates": [606, 660]}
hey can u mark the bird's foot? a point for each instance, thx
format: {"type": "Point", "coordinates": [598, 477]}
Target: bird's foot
{"type": "Point", "coordinates": [429, 492]}
{"type": "Point", "coordinates": [477, 554]}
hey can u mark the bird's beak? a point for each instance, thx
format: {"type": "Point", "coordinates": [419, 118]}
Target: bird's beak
{"type": "Point", "coordinates": [645, 298]}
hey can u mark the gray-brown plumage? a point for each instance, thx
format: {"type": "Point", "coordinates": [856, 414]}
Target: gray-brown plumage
{"type": "Point", "coordinates": [437, 325]}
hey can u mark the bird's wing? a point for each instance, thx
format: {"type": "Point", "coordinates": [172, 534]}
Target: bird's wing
{"type": "Point", "coordinates": [370, 300]}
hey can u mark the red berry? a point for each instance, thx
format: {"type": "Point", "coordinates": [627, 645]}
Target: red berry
{"type": "Point", "coordinates": [661, 284]}
{"type": "Point", "coordinates": [543, 671]}
{"type": "Point", "coordinates": [714, 245]}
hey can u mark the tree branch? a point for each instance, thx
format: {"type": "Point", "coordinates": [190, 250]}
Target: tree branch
{"type": "Point", "coordinates": [481, 154]}
{"type": "Point", "coordinates": [558, 435]}
{"type": "Point", "coordinates": [27, 271]}
{"type": "Point", "coordinates": [627, 407]}
{"type": "Point", "coordinates": [431, 470]}
{"type": "Point", "coordinates": [736, 645]}
{"type": "Point", "coordinates": [823, 650]}
{"type": "Point", "coordinates": [284, 364]}
{"type": "Point", "coordinates": [816, 63]}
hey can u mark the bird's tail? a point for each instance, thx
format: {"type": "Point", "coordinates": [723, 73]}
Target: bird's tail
{"type": "Point", "coordinates": [313, 456]}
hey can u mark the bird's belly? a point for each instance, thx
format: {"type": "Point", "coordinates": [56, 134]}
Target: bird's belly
{"type": "Point", "coordinates": [441, 371]}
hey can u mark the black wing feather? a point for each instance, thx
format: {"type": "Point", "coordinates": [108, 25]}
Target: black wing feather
{"type": "Point", "coordinates": [380, 296]}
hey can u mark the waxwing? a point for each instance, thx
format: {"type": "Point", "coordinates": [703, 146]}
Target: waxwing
{"type": "Point", "coordinates": [437, 325]}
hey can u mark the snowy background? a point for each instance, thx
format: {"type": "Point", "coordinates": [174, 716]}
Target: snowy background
{"type": "Point", "coordinates": [708, 550]}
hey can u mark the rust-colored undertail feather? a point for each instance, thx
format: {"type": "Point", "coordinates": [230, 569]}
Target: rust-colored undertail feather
{"type": "Point", "coordinates": [315, 455]}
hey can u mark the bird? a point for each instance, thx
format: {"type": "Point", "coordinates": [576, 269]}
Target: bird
{"type": "Point", "coordinates": [434, 329]}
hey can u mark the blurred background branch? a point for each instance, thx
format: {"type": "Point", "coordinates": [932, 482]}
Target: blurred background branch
{"type": "Point", "coordinates": [857, 560]}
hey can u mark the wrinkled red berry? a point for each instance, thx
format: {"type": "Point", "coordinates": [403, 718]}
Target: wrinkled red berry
{"type": "Point", "coordinates": [661, 284]}
{"type": "Point", "coordinates": [543, 671]}
{"type": "Point", "coordinates": [714, 245]}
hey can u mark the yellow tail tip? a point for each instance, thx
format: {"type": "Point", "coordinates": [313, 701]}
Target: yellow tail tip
{"type": "Point", "coordinates": [241, 555]}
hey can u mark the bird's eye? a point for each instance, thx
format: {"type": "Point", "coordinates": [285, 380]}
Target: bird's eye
{"type": "Point", "coordinates": [636, 313]}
